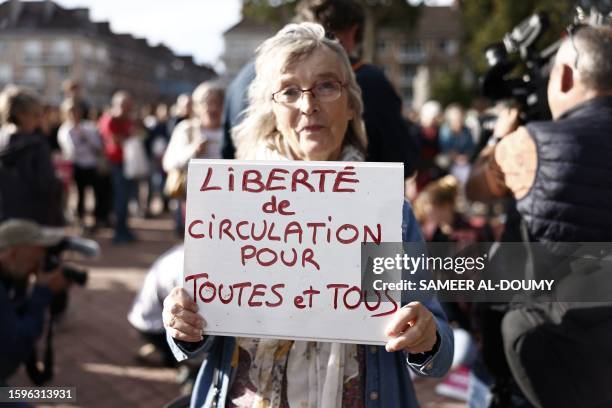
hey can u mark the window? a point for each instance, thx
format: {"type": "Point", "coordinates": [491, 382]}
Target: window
{"type": "Point", "coordinates": [102, 54]}
{"type": "Point", "coordinates": [34, 75]}
{"type": "Point", "coordinates": [412, 49]}
{"type": "Point", "coordinates": [61, 50]}
{"type": "Point", "coordinates": [87, 50]}
{"type": "Point", "coordinates": [62, 47]}
{"type": "Point", "coordinates": [160, 72]}
{"type": "Point", "coordinates": [452, 47]}
{"type": "Point", "coordinates": [91, 77]}
{"type": "Point", "coordinates": [381, 46]}
{"type": "Point", "coordinates": [407, 94]}
{"type": "Point", "coordinates": [448, 47]}
{"type": "Point", "coordinates": [408, 72]}
{"type": "Point", "coordinates": [32, 48]}
{"type": "Point", "coordinates": [6, 73]}
{"type": "Point", "coordinates": [63, 71]}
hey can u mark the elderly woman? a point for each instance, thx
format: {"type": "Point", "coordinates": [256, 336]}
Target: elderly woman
{"type": "Point", "coordinates": [305, 105]}
{"type": "Point", "coordinates": [198, 137]}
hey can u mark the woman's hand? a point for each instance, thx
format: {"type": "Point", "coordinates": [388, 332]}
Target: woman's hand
{"type": "Point", "coordinates": [413, 328]}
{"type": "Point", "coordinates": [181, 318]}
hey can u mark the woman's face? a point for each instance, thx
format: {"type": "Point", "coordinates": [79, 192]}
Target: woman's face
{"type": "Point", "coordinates": [313, 128]}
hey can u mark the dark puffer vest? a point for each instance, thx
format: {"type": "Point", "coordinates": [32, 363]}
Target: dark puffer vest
{"type": "Point", "coordinates": [571, 198]}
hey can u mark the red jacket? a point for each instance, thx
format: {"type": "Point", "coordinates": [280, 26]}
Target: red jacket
{"type": "Point", "coordinates": [120, 128]}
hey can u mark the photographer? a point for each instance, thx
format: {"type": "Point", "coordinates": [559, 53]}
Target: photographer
{"type": "Point", "coordinates": [559, 172]}
{"type": "Point", "coordinates": [23, 246]}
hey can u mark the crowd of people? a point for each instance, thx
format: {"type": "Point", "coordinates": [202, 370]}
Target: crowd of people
{"type": "Point", "coordinates": [306, 96]}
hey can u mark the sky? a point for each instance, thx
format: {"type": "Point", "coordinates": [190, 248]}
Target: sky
{"type": "Point", "coordinates": [193, 27]}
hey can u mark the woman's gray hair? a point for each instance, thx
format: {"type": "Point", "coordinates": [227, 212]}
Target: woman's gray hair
{"type": "Point", "coordinates": [207, 87]}
{"type": "Point", "coordinates": [277, 53]}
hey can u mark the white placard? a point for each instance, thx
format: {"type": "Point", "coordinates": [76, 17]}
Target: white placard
{"type": "Point", "coordinates": [272, 249]}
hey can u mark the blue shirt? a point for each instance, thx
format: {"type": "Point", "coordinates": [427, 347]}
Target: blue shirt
{"type": "Point", "coordinates": [388, 382]}
{"type": "Point", "coordinates": [460, 143]}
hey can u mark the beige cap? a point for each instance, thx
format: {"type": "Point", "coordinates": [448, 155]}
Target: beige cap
{"type": "Point", "coordinates": [25, 232]}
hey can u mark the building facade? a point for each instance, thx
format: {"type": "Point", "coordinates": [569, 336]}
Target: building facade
{"type": "Point", "coordinates": [42, 44]}
{"type": "Point", "coordinates": [412, 58]}
{"type": "Point", "coordinates": [241, 41]}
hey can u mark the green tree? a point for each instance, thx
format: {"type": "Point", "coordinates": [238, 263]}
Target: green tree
{"type": "Point", "coordinates": [486, 21]}
{"type": "Point", "coordinates": [274, 12]}
{"type": "Point", "coordinates": [448, 86]}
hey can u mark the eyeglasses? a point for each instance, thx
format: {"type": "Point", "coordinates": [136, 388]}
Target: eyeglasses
{"type": "Point", "coordinates": [323, 91]}
{"type": "Point", "coordinates": [572, 29]}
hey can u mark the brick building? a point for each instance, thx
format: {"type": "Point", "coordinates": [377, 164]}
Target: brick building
{"type": "Point", "coordinates": [412, 58]}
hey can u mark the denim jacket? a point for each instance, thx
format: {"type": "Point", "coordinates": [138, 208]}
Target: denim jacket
{"type": "Point", "coordinates": [388, 383]}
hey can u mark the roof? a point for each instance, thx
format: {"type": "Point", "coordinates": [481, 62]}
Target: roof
{"type": "Point", "coordinates": [250, 26]}
{"type": "Point", "coordinates": [28, 15]}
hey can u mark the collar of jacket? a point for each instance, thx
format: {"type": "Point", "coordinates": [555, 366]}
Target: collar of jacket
{"type": "Point", "coordinates": [593, 103]}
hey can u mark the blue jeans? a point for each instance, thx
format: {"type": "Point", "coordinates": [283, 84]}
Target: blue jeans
{"type": "Point", "coordinates": [122, 190]}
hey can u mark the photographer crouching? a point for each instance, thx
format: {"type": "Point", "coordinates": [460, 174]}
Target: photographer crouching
{"type": "Point", "coordinates": [560, 174]}
{"type": "Point", "coordinates": [23, 249]}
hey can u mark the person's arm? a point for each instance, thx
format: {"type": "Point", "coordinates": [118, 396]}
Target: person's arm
{"type": "Point", "coordinates": [486, 181]}
{"type": "Point", "coordinates": [180, 149]}
{"type": "Point", "coordinates": [116, 131]}
{"type": "Point", "coordinates": [509, 167]}
{"type": "Point", "coordinates": [65, 142]}
{"type": "Point", "coordinates": [183, 350]}
{"type": "Point", "coordinates": [184, 325]}
{"type": "Point", "coordinates": [437, 361]}
{"type": "Point", "coordinates": [20, 332]}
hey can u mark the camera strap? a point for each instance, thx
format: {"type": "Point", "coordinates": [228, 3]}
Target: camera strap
{"type": "Point", "coordinates": [41, 372]}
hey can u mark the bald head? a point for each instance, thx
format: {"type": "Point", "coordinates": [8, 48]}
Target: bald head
{"type": "Point", "coordinates": [582, 69]}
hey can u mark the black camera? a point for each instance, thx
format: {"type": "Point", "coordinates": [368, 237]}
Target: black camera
{"type": "Point", "coordinates": [527, 87]}
{"type": "Point", "coordinates": [86, 247]}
